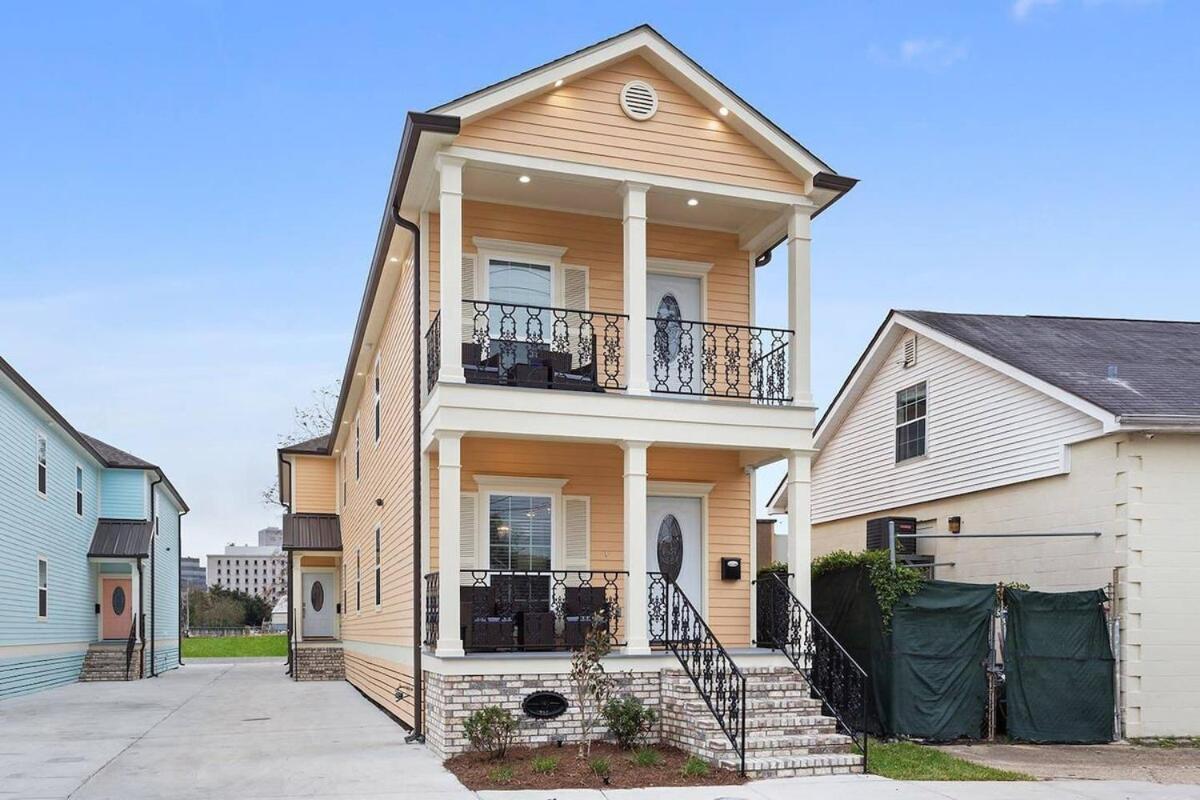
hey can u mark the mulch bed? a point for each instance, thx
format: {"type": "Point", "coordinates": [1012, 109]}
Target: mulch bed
{"type": "Point", "coordinates": [477, 770]}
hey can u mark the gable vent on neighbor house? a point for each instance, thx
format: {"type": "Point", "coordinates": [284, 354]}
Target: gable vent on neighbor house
{"type": "Point", "coordinates": [639, 101]}
{"type": "Point", "coordinates": [910, 352]}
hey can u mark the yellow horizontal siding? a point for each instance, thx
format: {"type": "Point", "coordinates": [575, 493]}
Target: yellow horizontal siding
{"type": "Point", "coordinates": [315, 485]}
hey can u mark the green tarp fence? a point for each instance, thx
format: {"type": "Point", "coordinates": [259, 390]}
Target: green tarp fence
{"type": "Point", "coordinates": [1059, 666]}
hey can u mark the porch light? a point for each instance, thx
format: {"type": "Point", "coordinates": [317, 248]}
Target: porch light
{"type": "Point", "coordinates": [723, 111]}
{"type": "Point", "coordinates": [558, 83]}
{"type": "Point", "coordinates": [693, 201]}
{"type": "Point", "coordinates": [523, 179]}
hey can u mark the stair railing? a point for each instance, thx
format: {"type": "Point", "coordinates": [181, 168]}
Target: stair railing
{"type": "Point", "coordinates": [712, 670]}
{"type": "Point", "coordinates": [129, 643]}
{"type": "Point", "coordinates": [835, 677]}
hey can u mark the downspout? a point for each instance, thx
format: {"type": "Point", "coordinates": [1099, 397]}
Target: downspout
{"type": "Point", "coordinates": [179, 580]}
{"type": "Point", "coordinates": [288, 510]}
{"type": "Point", "coordinates": [418, 731]}
{"type": "Point", "coordinates": [141, 623]}
{"type": "Point", "coordinates": [153, 563]}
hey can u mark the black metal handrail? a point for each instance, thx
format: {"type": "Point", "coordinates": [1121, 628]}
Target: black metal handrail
{"type": "Point", "coordinates": [719, 359]}
{"type": "Point", "coordinates": [716, 677]}
{"type": "Point", "coordinates": [432, 615]}
{"type": "Point", "coordinates": [542, 346]}
{"type": "Point", "coordinates": [129, 645]}
{"type": "Point", "coordinates": [835, 677]}
{"type": "Point", "coordinates": [433, 352]}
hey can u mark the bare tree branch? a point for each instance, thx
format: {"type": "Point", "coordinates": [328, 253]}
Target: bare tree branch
{"type": "Point", "coordinates": [308, 422]}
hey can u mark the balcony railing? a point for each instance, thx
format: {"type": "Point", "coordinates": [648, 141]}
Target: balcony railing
{"type": "Point", "coordinates": [433, 352]}
{"type": "Point", "coordinates": [530, 610]}
{"type": "Point", "coordinates": [717, 359]}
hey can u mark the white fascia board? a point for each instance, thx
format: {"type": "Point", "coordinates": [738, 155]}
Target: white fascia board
{"type": "Point", "coordinates": [667, 59]}
{"type": "Point", "coordinates": [509, 411]}
{"type": "Point", "coordinates": [778, 502]}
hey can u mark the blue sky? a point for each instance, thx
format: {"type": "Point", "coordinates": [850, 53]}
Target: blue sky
{"type": "Point", "coordinates": [190, 194]}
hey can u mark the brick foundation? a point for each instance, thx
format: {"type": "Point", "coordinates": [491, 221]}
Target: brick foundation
{"type": "Point", "coordinates": [319, 664]}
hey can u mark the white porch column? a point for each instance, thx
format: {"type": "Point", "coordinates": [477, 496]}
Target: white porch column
{"type": "Point", "coordinates": [449, 641]}
{"type": "Point", "coordinates": [799, 246]}
{"type": "Point", "coordinates": [752, 476]}
{"type": "Point", "coordinates": [450, 266]}
{"type": "Point", "coordinates": [634, 221]}
{"type": "Point", "coordinates": [636, 626]}
{"type": "Point", "coordinates": [799, 526]}
{"type": "Point", "coordinates": [298, 599]}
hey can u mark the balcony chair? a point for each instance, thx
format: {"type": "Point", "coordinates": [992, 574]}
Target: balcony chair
{"type": "Point", "coordinates": [527, 599]}
{"type": "Point", "coordinates": [584, 608]}
{"type": "Point", "coordinates": [483, 627]}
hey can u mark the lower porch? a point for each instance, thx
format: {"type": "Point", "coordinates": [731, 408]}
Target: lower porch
{"type": "Point", "coordinates": [317, 596]}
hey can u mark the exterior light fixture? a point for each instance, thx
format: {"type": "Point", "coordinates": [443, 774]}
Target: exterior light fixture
{"type": "Point", "coordinates": [523, 179]}
{"type": "Point", "coordinates": [693, 201]}
{"type": "Point", "coordinates": [723, 111]}
{"type": "Point", "coordinates": [558, 83]}
{"type": "Point", "coordinates": [955, 524]}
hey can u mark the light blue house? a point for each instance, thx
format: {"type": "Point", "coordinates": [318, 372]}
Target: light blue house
{"type": "Point", "coordinates": [89, 552]}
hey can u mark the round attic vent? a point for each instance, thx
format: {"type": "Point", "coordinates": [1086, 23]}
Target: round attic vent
{"type": "Point", "coordinates": [639, 101]}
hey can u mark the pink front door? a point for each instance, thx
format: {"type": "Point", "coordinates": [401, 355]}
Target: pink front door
{"type": "Point", "coordinates": [116, 607]}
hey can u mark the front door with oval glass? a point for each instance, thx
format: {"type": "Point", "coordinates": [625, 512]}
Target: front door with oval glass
{"type": "Point", "coordinates": [318, 605]}
{"type": "Point", "coordinates": [673, 341]}
{"type": "Point", "coordinates": [116, 607]}
{"type": "Point", "coordinates": [674, 545]}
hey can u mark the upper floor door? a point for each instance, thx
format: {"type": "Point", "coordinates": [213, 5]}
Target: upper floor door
{"type": "Point", "coordinates": [672, 341]}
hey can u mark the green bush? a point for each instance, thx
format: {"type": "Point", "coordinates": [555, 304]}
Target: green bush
{"type": "Point", "coordinates": [545, 765]}
{"type": "Point", "coordinates": [647, 757]}
{"type": "Point", "coordinates": [694, 767]}
{"type": "Point", "coordinates": [891, 582]}
{"type": "Point", "coordinates": [501, 775]}
{"type": "Point", "coordinates": [599, 767]}
{"type": "Point", "coordinates": [491, 730]}
{"type": "Point", "coordinates": [775, 566]}
{"type": "Point", "coordinates": [628, 720]}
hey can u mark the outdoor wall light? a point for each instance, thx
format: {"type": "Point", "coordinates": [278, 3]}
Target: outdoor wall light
{"type": "Point", "coordinates": [558, 83]}
{"type": "Point", "coordinates": [693, 202]}
{"type": "Point", "coordinates": [379, 502]}
{"type": "Point", "coordinates": [723, 111]}
{"type": "Point", "coordinates": [955, 524]}
{"type": "Point", "coordinates": [523, 179]}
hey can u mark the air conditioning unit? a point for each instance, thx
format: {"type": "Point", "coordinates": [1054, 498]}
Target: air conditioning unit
{"type": "Point", "coordinates": [878, 529]}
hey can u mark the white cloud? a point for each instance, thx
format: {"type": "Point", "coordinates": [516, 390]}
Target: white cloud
{"type": "Point", "coordinates": [1021, 9]}
{"type": "Point", "coordinates": [923, 53]}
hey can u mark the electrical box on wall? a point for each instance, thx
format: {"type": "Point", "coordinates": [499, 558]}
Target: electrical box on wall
{"type": "Point", "coordinates": [731, 569]}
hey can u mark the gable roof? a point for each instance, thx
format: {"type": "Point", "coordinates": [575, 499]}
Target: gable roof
{"type": "Point", "coordinates": [115, 457]}
{"type": "Point", "coordinates": [318, 446]}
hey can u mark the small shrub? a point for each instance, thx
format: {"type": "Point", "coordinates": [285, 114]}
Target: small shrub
{"type": "Point", "coordinates": [892, 582]}
{"type": "Point", "coordinates": [599, 767]}
{"type": "Point", "coordinates": [628, 720]}
{"type": "Point", "coordinates": [545, 765]}
{"type": "Point", "coordinates": [646, 757]}
{"type": "Point", "coordinates": [501, 775]}
{"type": "Point", "coordinates": [491, 730]}
{"type": "Point", "coordinates": [694, 767]}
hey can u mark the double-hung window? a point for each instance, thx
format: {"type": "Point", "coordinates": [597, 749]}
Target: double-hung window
{"type": "Point", "coordinates": [358, 580]}
{"type": "Point", "coordinates": [357, 449]}
{"type": "Point", "coordinates": [43, 604]}
{"type": "Point", "coordinates": [378, 397]}
{"type": "Point", "coordinates": [378, 567]}
{"type": "Point", "coordinates": [519, 531]}
{"type": "Point", "coordinates": [78, 490]}
{"type": "Point", "coordinates": [41, 465]}
{"type": "Point", "coordinates": [910, 422]}
{"type": "Point", "coordinates": [518, 283]}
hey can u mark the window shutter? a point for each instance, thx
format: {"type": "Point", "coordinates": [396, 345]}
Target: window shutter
{"type": "Point", "coordinates": [466, 533]}
{"type": "Point", "coordinates": [468, 293]}
{"type": "Point", "coordinates": [910, 351]}
{"type": "Point", "coordinates": [575, 288]}
{"type": "Point", "coordinates": [576, 531]}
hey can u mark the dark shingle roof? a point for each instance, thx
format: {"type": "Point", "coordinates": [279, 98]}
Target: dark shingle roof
{"type": "Point", "coordinates": [318, 445]}
{"type": "Point", "coordinates": [115, 457]}
{"type": "Point", "coordinates": [122, 538]}
{"type": "Point", "coordinates": [1127, 367]}
{"type": "Point", "coordinates": [312, 532]}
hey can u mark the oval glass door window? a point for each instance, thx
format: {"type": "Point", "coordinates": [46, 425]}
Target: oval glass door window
{"type": "Point", "coordinates": [118, 600]}
{"type": "Point", "coordinates": [667, 330]}
{"type": "Point", "coordinates": [317, 596]}
{"type": "Point", "coordinates": [670, 547]}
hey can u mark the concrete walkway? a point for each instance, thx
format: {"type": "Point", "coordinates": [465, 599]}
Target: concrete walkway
{"type": "Point", "coordinates": [234, 730]}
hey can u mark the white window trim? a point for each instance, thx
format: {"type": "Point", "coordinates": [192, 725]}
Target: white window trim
{"type": "Point", "coordinates": [489, 485]}
{"type": "Point", "coordinates": [701, 492]}
{"type": "Point", "coordinates": [539, 255]}
{"type": "Point", "coordinates": [80, 497]}
{"type": "Point", "coordinates": [38, 595]}
{"type": "Point", "coordinates": [378, 571]}
{"type": "Point", "coordinates": [357, 449]}
{"type": "Point", "coordinates": [38, 438]}
{"type": "Point", "coordinates": [377, 408]}
{"type": "Point", "coordinates": [896, 427]}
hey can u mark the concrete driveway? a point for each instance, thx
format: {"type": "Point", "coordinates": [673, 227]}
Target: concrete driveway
{"type": "Point", "coordinates": [228, 730]}
{"type": "Point", "coordinates": [211, 730]}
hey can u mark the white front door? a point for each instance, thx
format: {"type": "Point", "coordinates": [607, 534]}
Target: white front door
{"type": "Point", "coordinates": [318, 604]}
{"type": "Point", "coordinates": [673, 362]}
{"type": "Point", "coordinates": [674, 545]}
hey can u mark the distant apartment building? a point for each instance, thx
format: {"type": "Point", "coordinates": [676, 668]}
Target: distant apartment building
{"type": "Point", "coordinates": [270, 537]}
{"type": "Point", "coordinates": [191, 573]}
{"type": "Point", "coordinates": [258, 570]}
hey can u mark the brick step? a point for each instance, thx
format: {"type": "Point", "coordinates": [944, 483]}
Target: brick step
{"type": "Point", "coordinates": [780, 688]}
{"type": "Point", "coordinates": [767, 725]}
{"type": "Point", "coordinates": [107, 663]}
{"type": "Point", "coordinates": [792, 766]}
{"type": "Point", "coordinates": [802, 745]}
{"type": "Point", "coordinates": [775, 705]}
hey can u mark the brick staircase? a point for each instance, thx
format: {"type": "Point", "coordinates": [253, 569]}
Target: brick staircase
{"type": "Point", "coordinates": [786, 733]}
{"type": "Point", "coordinates": [106, 662]}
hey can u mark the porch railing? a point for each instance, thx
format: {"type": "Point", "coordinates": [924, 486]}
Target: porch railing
{"type": "Point", "coordinates": [676, 623]}
{"type": "Point", "coordinates": [717, 359]}
{"type": "Point", "coordinates": [433, 352]}
{"type": "Point", "coordinates": [530, 610]}
{"type": "Point", "coordinates": [787, 625]}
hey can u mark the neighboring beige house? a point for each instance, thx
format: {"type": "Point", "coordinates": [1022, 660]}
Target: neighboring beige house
{"type": "Point", "coordinates": [1036, 425]}
{"type": "Point", "coordinates": [556, 393]}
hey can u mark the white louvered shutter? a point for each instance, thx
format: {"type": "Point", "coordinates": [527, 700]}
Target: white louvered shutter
{"type": "Point", "coordinates": [468, 293]}
{"type": "Point", "coordinates": [575, 288]}
{"type": "Point", "coordinates": [576, 532]}
{"type": "Point", "coordinates": [466, 534]}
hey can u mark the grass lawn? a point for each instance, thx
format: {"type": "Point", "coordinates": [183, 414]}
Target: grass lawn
{"type": "Point", "coordinates": [235, 646]}
{"type": "Point", "coordinates": [908, 761]}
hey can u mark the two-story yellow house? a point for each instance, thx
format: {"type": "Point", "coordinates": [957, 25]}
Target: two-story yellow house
{"type": "Point", "coordinates": [552, 413]}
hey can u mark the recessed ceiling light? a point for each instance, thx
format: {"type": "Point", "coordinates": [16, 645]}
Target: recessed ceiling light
{"type": "Point", "coordinates": [393, 259]}
{"type": "Point", "coordinates": [558, 83]}
{"type": "Point", "coordinates": [693, 201]}
{"type": "Point", "coordinates": [523, 179]}
{"type": "Point", "coordinates": [723, 111]}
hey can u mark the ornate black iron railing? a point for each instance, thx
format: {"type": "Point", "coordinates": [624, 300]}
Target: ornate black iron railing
{"type": "Point", "coordinates": [542, 346]}
{"type": "Point", "coordinates": [677, 624]}
{"type": "Point", "coordinates": [432, 600]}
{"type": "Point", "coordinates": [835, 677]}
{"type": "Point", "coordinates": [530, 610]}
{"type": "Point", "coordinates": [716, 359]}
{"type": "Point", "coordinates": [433, 352]}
